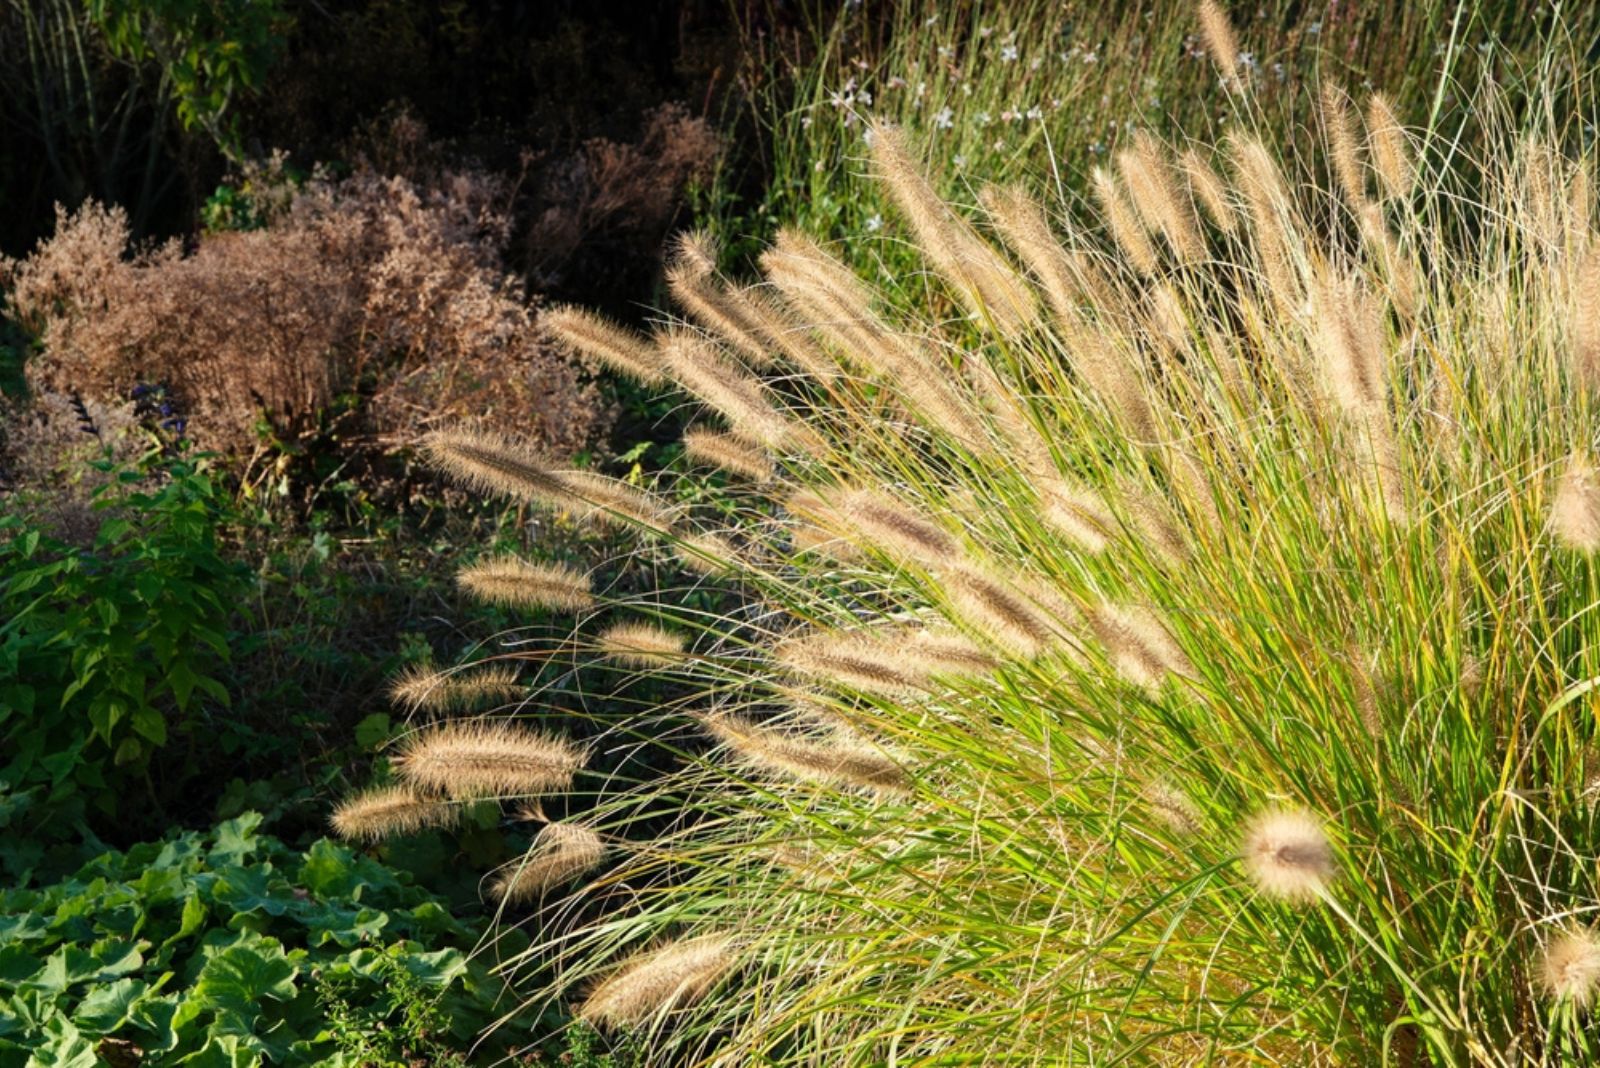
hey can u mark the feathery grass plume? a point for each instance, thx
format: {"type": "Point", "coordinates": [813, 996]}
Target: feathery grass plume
{"type": "Point", "coordinates": [494, 463]}
{"type": "Point", "coordinates": [1343, 147]}
{"type": "Point", "coordinates": [1022, 222]}
{"type": "Point", "coordinates": [1154, 521]}
{"type": "Point", "coordinates": [696, 364]}
{"type": "Point", "coordinates": [1126, 229]}
{"type": "Point", "coordinates": [992, 606]}
{"type": "Point", "coordinates": [612, 502]}
{"type": "Point", "coordinates": [840, 309]}
{"type": "Point", "coordinates": [837, 761]}
{"type": "Point", "coordinates": [788, 334]}
{"type": "Point", "coordinates": [857, 660]}
{"type": "Point", "coordinates": [385, 811]}
{"type": "Point", "coordinates": [1075, 511]}
{"type": "Point", "coordinates": [984, 281]}
{"type": "Point", "coordinates": [728, 452]}
{"type": "Point", "coordinates": [559, 854]}
{"type": "Point", "coordinates": [1262, 184]}
{"type": "Point", "coordinates": [585, 333]}
{"type": "Point", "coordinates": [1569, 967]}
{"type": "Point", "coordinates": [1585, 322]}
{"type": "Point", "coordinates": [639, 644]}
{"type": "Point", "coordinates": [1391, 154]}
{"type": "Point", "coordinates": [1580, 201]}
{"type": "Point", "coordinates": [1363, 667]}
{"type": "Point", "coordinates": [892, 527]}
{"type": "Point", "coordinates": [696, 251]}
{"type": "Point", "coordinates": [1112, 368]}
{"type": "Point", "coordinates": [1287, 855]}
{"type": "Point", "coordinates": [1173, 808]}
{"type": "Point", "coordinates": [516, 583]}
{"type": "Point", "coordinates": [696, 289]}
{"type": "Point", "coordinates": [470, 758]}
{"type": "Point", "coordinates": [1155, 196]}
{"type": "Point", "coordinates": [1217, 30]}
{"type": "Point", "coordinates": [1169, 321]}
{"type": "Point", "coordinates": [421, 687]}
{"type": "Point", "coordinates": [1575, 510]}
{"type": "Point", "coordinates": [708, 553]}
{"type": "Point", "coordinates": [1396, 269]}
{"type": "Point", "coordinates": [1139, 646]}
{"type": "Point", "coordinates": [656, 982]}
{"type": "Point", "coordinates": [1209, 190]}
{"type": "Point", "coordinates": [942, 652]}
{"type": "Point", "coordinates": [1349, 336]}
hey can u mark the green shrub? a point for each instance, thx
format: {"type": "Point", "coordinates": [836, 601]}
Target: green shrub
{"type": "Point", "coordinates": [228, 948]}
{"type": "Point", "coordinates": [112, 651]}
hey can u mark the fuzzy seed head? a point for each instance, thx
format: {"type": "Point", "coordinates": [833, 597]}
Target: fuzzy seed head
{"type": "Point", "coordinates": [420, 687]}
{"type": "Point", "coordinates": [1124, 223]}
{"type": "Point", "coordinates": [1391, 154]}
{"type": "Point", "coordinates": [1575, 511]}
{"type": "Point", "coordinates": [385, 811]}
{"type": "Point", "coordinates": [494, 463]}
{"type": "Point", "coordinates": [992, 606]}
{"type": "Point", "coordinates": [894, 528]}
{"type": "Point", "coordinates": [839, 760]}
{"type": "Point", "coordinates": [1208, 189]}
{"type": "Point", "coordinates": [560, 853]}
{"type": "Point", "coordinates": [857, 661]}
{"type": "Point", "coordinates": [1569, 967]}
{"type": "Point", "coordinates": [655, 983]}
{"type": "Point", "coordinates": [1287, 855]}
{"type": "Point", "coordinates": [727, 452]}
{"type": "Point", "coordinates": [516, 583]}
{"type": "Point", "coordinates": [1141, 649]}
{"type": "Point", "coordinates": [487, 759]}
{"type": "Point", "coordinates": [584, 333]}
{"type": "Point", "coordinates": [1217, 29]}
{"type": "Point", "coordinates": [642, 645]}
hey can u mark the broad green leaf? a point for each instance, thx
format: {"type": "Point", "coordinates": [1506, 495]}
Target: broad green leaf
{"type": "Point", "coordinates": [374, 730]}
{"type": "Point", "coordinates": [329, 869]}
{"type": "Point", "coordinates": [236, 838]}
{"type": "Point", "coordinates": [104, 1009]}
{"type": "Point", "coordinates": [64, 1047]}
{"type": "Point", "coordinates": [237, 980]}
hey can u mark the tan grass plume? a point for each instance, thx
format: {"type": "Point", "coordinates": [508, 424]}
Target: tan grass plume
{"type": "Point", "coordinates": [641, 644]}
{"type": "Point", "coordinates": [1145, 171]}
{"type": "Point", "coordinates": [983, 279]}
{"type": "Point", "coordinates": [559, 854]}
{"type": "Point", "coordinates": [1344, 149]}
{"type": "Point", "coordinates": [585, 333]}
{"type": "Point", "coordinates": [476, 759]}
{"type": "Point", "coordinates": [1207, 188]}
{"type": "Point", "coordinates": [1217, 30]}
{"type": "Point", "coordinates": [1569, 966]}
{"type": "Point", "coordinates": [1391, 153]}
{"type": "Point", "coordinates": [840, 760]}
{"type": "Point", "coordinates": [1126, 228]}
{"type": "Point", "coordinates": [421, 687]}
{"type": "Point", "coordinates": [858, 660]}
{"type": "Point", "coordinates": [658, 981]}
{"type": "Point", "coordinates": [729, 452]}
{"type": "Point", "coordinates": [385, 811]}
{"type": "Point", "coordinates": [515, 583]}
{"type": "Point", "coordinates": [992, 606]}
{"type": "Point", "coordinates": [1575, 509]}
{"type": "Point", "coordinates": [1287, 855]}
{"type": "Point", "coordinates": [1141, 649]}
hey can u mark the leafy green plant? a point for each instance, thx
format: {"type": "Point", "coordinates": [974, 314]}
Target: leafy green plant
{"type": "Point", "coordinates": [112, 651]}
{"type": "Point", "coordinates": [209, 52]}
{"type": "Point", "coordinates": [226, 947]}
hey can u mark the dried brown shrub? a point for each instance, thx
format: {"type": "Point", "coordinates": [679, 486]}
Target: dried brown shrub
{"type": "Point", "coordinates": [368, 287]}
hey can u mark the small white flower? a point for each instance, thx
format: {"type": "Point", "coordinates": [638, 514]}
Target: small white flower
{"type": "Point", "coordinates": [944, 118]}
{"type": "Point", "coordinates": [983, 118]}
{"type": "Point", "coordinates": [875, 224]}
{"type": "Point", "coordinates": [985, 31]}
{"type": "Point", "coordinates": [1035, 64]}
{"type": "Point", "coordinates": [896, 82]}
{"type": "Point", "coordinates": [865, 96]}
{"type": "Point", "coordinates": [946, 51]}
{"type": "Point", "coordinates": [1009, 54]}
{"type": "Point", "coordinates": [1091, 57]}
{"type": "Point", "coordinates": [960, 161]}
{"type": "Point", "coordinates": [1035, 113]}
